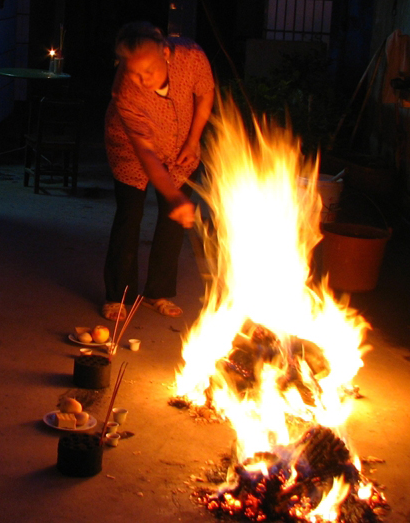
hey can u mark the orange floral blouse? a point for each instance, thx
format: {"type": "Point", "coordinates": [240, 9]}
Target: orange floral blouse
{"type": "Point", "coordinates": [163, 120]}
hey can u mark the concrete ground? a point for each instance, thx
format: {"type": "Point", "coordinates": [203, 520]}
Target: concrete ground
{"type": "Point", "coordinates": [52, 250]}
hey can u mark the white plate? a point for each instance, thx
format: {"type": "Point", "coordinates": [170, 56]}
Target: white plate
{"type": "Point", "coordinates": [49, 419]}
{"type": "Point", "coordinates": [73, 338]}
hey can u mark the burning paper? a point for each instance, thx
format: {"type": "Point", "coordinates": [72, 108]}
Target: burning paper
{"type": "Point", "coordinates": [272, 350]}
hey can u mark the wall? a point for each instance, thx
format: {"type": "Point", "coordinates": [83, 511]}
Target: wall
{"type": "Point", "coordinates": [14, 18]}
{"type": "Point", "coordinates": [8, 22]}
{"type": "Point", "coordinates": [262, 55]}
{"type": "Point", "coordinates": [388, 16]}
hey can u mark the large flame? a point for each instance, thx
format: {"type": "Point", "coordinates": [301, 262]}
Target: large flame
{"type": "Point", "coordinates": [259, 242]}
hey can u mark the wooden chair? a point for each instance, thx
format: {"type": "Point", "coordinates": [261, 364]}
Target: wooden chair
{"type": "Point", "coordinates": [57, 131]}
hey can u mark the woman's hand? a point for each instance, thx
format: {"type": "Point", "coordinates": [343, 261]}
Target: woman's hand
{"type": "Point", "coordinates": [183, 212]}
{"type": "Point", "coordinates": [187, 154]}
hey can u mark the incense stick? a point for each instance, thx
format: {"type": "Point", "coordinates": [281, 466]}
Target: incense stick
{"type": "Point", "coordinates": [114, 343]}
{"type": "Point", "coordinates": [114, 394]}
{"type": "Point", "coordinates": [130, 315]}
{"type": "Point", "coordinates": [118, 316]}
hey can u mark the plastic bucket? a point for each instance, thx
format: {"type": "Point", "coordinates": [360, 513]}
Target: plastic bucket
{"type": "Point", "coordinates": [329, 192]}
{"type": "Point", "coordinates": [352, 255]}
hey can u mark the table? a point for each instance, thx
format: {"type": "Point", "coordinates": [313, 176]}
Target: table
{"type": "Point", "coordinates": [27, 73]}
{"type": "Point", "coordinates": [46, 81]}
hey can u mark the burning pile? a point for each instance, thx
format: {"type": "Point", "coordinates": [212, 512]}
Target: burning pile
{"type": "Point", "coordinates": [273, 352]}
{"type": "Point", "coordinates": [321, 485]}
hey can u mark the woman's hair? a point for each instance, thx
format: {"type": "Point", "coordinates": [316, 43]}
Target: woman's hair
{"type": "Point", "coordinates": [135, 34]}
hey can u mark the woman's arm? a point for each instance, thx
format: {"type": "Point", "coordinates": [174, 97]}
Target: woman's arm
{"type": "Point", "coordinates": [181, 208]}
{"type": "Point", "coordinates": [202, 111]}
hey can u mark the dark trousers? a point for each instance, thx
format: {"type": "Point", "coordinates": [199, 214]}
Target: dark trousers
{"type": "Point", "coordinates": [121, 265]}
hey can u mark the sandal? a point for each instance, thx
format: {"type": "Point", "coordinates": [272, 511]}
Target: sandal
{"type": "Point", "coordinates": [163, 306]}
{"type": "Point", "coordinates": [111, 310]}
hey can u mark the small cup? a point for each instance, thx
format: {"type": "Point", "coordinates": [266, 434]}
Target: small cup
{"type": "Point", "coordinates": [119, 415]}
{"type": "Point", "coordinates": [134, 344]}
{"type": "Point", "coordinates": [112, 439]}
{"type": "Point", "coordinates": [112, 427]}
{"type": "Point", "coordinates": [111, 347]}
{"type": "Point", "coordinates": [86, 352]}
{"type": "Point", "coordinates": [58, 65]}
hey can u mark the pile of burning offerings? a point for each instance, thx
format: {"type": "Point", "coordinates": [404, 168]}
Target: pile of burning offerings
{"type": "Point", "coordinates": [272, 351]}
{"type": "Point", "coordinates": [321, 484]}
{"type": "Point", "coordinates": [288, 483]}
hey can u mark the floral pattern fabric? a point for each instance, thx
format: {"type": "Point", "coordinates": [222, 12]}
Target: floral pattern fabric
{"type": "Point", "coordinates": [163, 120]}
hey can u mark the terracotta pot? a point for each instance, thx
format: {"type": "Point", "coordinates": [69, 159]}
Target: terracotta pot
{"type": "Point", "coordinates": [352, 255]}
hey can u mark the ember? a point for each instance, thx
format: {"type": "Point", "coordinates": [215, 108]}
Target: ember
{"type": "Point", "coordinates": [290, 492]}
{"type": "Point", "coordinates": [272, 351]}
